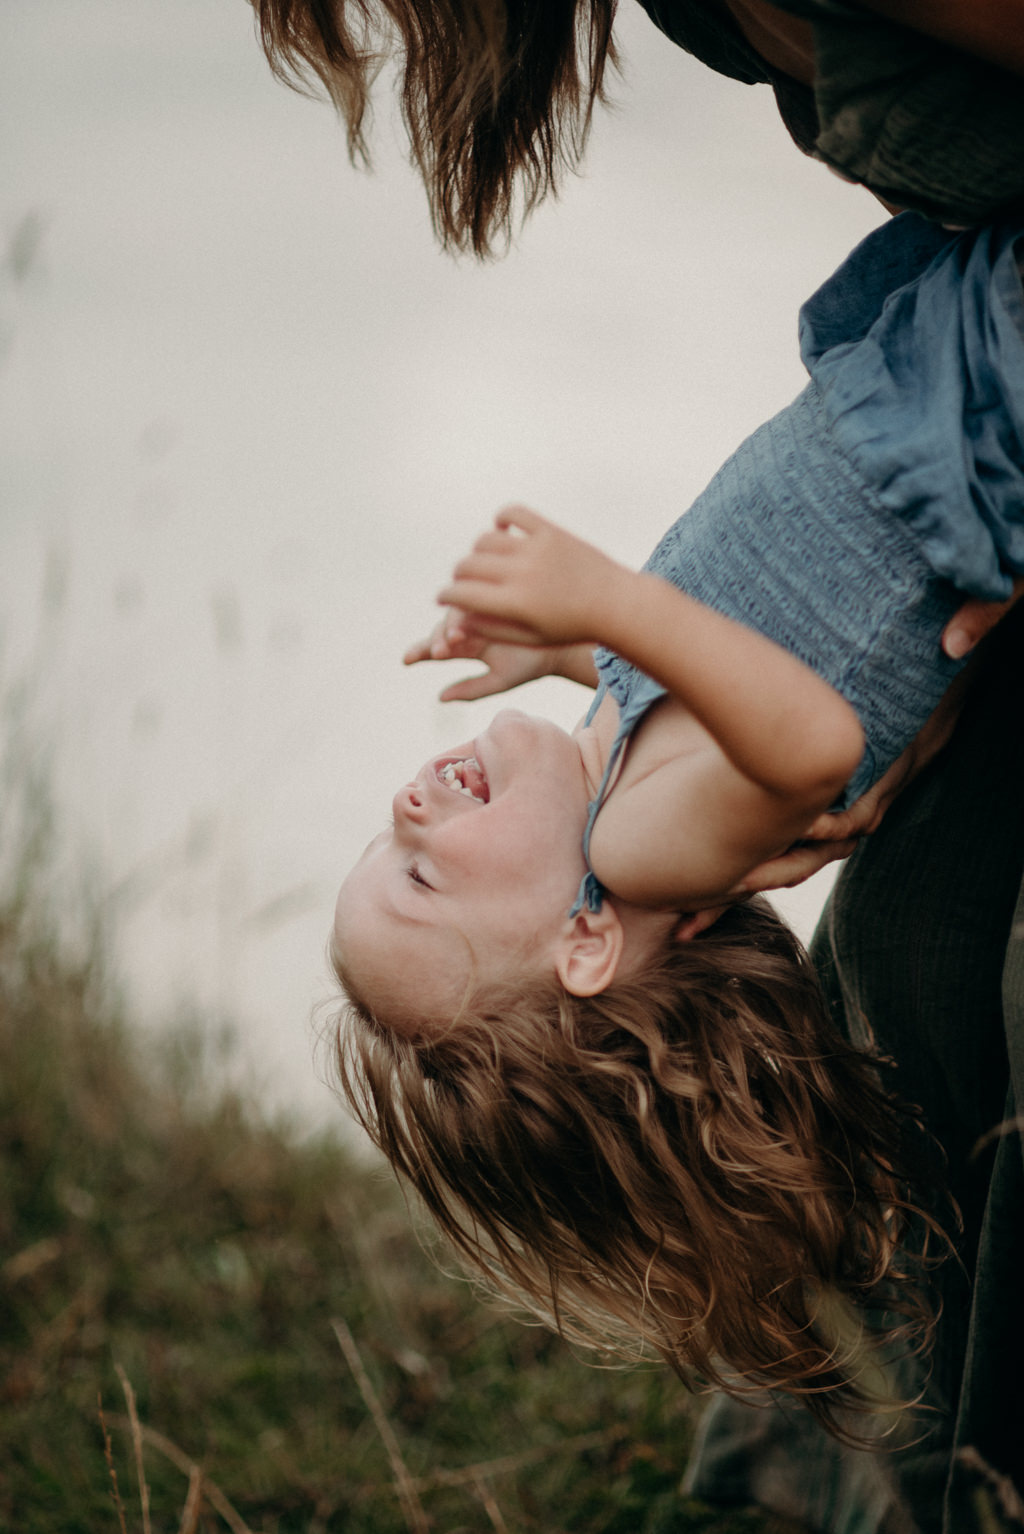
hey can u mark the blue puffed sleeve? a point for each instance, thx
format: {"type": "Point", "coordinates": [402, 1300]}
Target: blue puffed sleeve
{"type": "Point", "coordinates": [916, 346]}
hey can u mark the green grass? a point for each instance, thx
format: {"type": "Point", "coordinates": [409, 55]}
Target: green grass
{"type": "Point", "coordinates": [158, 1232]}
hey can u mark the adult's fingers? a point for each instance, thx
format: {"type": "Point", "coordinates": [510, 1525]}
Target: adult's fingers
{"type": "Point", "coordinates": [973, 620]}
{"type": "Point", "coordinates": [793, 867]}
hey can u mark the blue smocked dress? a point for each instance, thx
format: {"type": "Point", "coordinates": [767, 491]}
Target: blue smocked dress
{"type": "Point", "coordinates": [850, 527]}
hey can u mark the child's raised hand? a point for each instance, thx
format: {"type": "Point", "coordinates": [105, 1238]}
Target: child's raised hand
{"type": "Point", "coordinates": [508, 666]}
{"type": "Point", "coordinates": [528, 582]}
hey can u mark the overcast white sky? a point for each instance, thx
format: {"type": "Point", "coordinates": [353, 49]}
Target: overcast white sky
{"type": "Point", "coordinates": [250, 415]}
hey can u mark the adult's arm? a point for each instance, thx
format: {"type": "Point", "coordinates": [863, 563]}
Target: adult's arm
{"type": "Point", "coordinates": [990, 29]}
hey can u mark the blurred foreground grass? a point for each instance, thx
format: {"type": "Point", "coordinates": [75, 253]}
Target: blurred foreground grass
{"type": "Point", "coordinates": [263, 1297]}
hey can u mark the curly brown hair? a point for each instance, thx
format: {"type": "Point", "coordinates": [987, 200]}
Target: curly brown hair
{"type": "Point", "coordinates": [694, 1160]}
{"type": "Point", "coordinates": [494, 95]}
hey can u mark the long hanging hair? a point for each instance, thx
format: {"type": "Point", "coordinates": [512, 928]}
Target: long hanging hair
{"type": "Point", "coordinates": [497, 95]}
{"type": "Point", "coordinates": [694, 1161]}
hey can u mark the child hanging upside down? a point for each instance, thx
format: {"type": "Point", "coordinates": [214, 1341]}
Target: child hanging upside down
{"type": "Point", "coordinates": [610, 1077]}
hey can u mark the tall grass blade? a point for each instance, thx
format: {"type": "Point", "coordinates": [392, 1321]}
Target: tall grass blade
{"type": "Point", "coordinates": [108, 1455]}
{"type": "Point", "coordinates": [412, 1507]}
{"type": "Point", "coordinates": [193, 1502]}
{"type": "Point", "coordinates": [490, 1506]}
{"type": "Point", "coordinates": [140, 1470]}
{"type": "Point", "coordinates": [211, 1492]}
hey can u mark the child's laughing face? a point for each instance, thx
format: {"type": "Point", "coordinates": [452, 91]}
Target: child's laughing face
{"type": "Point", "coordinates": [474, 879]}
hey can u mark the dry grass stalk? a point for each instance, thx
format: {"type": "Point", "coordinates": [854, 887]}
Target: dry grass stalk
{"type": "Point", "coordinates": [140, 1471]}
{"type": "Point", "coordinates": [193, 1502]}
{"type": "Point", "coordinates": [1014, 1126]}
{"type": "Point", "coordinates": [490, 1506]}
{"type": "Point", "coordinates": [469, 1475]}
{"type": "Point", "coordinates": [415, 1516]}
{"type": "Point", "coordinates": [31, 1258]}
{"type": "Point", "coordinates": [59, 1331]}
{"type": "Point", "coordinates": [1011, 1504]}
{"type": "Point", "coordinates": [108, 1455]}
{"type": "Point", "coordinates": [210, 1491]}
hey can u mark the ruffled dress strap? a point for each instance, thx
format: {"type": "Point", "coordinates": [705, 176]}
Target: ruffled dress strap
{"type": "Point", "coordinates": [591, 892]}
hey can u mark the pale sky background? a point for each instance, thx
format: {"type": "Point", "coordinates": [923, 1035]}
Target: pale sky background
{"type": "Point", "coordinates": [250, 415]}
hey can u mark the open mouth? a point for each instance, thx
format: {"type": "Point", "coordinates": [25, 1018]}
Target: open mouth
{"type": "Point", "coordinates": [465, 776]}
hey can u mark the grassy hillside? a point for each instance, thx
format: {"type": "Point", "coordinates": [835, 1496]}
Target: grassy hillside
{"type": "Point", "coordinates": [296, 1362]}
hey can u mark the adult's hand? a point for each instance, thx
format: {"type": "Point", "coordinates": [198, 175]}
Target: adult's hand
{"type": "Point", "coordinates": [970, 623]}
{"type": "Point", "coordinates": [831, 837]}
{"type": "Point", "coordinates": [835, 835]}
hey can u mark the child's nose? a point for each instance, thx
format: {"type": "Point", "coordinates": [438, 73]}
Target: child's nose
{"type": "Point", "coordinates": [409, 803]}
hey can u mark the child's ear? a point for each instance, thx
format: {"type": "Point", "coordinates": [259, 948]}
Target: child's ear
{"type": "Point", "coordinates": [697, 922]}
{"type": "Point", "coordinates": [589, 951]}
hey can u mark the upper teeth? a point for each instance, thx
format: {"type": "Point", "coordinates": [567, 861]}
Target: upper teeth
{"type": "Point", "coordinates": [452, 775]}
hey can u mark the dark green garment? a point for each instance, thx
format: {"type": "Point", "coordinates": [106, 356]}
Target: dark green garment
{"type": "Point", "coordinates": [706, 29]}
{"type": "Point", "coordinates": [922, 944]}
{"type": "Point", "coordinates": [921, 124]}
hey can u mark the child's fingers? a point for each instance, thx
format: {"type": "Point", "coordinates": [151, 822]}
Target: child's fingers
{"type": "Point", "coordinates": [519, 516]}
{"type": "Point", "coordinates": [495, 543]}
{"type": "Point", "coordinates": [450, 640]}
{"type": "Point", "coordinates": [417, 652]}
{"type": "Point", "coordinates": [481, 567]}
{"type": "Point", "coordinates": [498, 627]}
{"type": "Point", "coordinates": [471, 687]}
{"type": "Point", "coordinates": [446, 641]}
{"type": "Point", "coordinates": [477, 591]}
{"type": "Point", "coordinates": [481, 599]}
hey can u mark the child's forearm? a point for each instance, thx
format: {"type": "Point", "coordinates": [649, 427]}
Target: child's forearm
{"type": "Point", "coordinates": [779, 723]}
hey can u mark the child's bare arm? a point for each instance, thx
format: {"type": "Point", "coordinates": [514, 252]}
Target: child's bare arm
{"type": "Point", "coordinates": [777, 722]}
